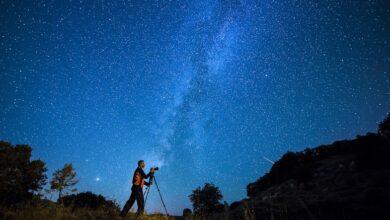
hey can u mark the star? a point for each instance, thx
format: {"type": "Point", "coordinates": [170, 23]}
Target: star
{"type": "Point", "coordinates": [197, 88]}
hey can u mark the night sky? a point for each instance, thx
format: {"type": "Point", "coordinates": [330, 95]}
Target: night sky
{"type": "Point", "coordinates": [207, 90]}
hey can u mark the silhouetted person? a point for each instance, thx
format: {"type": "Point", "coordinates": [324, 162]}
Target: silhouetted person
{"type": "Point", "coordinates": [136, 190]}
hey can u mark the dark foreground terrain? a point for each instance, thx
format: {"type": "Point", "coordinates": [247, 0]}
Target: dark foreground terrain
{"type": "Point", "coordinates": [345, 180]}
{"type": "Point", "coordinates": [48, 210]}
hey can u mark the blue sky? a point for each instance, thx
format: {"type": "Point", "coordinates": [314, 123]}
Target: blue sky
{"type": "Point", "coordinates": [203, 89]}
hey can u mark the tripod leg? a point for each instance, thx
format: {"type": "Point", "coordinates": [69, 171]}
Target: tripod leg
{"type": "Point", "coordinates": [162, 201]}
{"type": "Point", "coordinates": [146, 194]}
{"type": "Point", "coordinates": [147, 190]}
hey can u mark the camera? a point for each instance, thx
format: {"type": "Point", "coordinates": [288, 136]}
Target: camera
{"type": "Point", "coordinates": [152, 173]}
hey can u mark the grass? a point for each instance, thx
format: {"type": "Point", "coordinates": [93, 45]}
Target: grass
{"type": "Point", "coordinates": [53, 211]}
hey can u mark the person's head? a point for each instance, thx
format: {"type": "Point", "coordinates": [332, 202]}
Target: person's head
{"type": "Point", "coordinates": [141, 164]}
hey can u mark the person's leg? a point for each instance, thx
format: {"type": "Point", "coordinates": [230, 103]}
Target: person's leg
{"type": "Point", "coordinates": [128, 204]}
{"type": "Point", "coordinates": [140, 202]}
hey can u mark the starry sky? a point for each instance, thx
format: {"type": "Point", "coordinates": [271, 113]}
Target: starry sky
{"type": "Point", "coordinates": [210, 91]}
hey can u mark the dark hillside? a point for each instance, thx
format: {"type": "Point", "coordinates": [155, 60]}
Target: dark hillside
{"type": "Point", "coordinates": [345, 180]}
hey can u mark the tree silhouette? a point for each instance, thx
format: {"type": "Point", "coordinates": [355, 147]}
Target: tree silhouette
{"type": "Point", "coordinates": [205, 200]}
{"type": "Point", "coordinates": [64, 180]}
{"type": "Point", "coordinates": [384, 127]}
{"type": "Point", "coordinates": [19, 177]}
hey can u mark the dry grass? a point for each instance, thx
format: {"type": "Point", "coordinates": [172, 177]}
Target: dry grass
{"type": "Point", "coordinates": [52, 211]}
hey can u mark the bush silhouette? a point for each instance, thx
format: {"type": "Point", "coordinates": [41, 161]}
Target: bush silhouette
{"type": "Point", "coordinates": [88, 200]}
{"type": "Point", "coordinates": [187, 212]}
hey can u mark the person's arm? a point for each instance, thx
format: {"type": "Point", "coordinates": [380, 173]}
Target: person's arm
{"type": "Point", "coordinates": [145, 176]}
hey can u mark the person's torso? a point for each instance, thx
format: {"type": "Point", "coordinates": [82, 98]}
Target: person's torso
{"type": "Point", "coordinates": [138, 179]}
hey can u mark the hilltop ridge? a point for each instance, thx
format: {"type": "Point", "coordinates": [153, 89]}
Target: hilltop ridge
{"type": "Point", "coordinates": [348, 179]}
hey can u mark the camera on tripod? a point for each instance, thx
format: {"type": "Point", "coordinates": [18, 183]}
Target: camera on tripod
{"type": "Point", "coordinates": [152, 173]}
{"type": "Point", "coordinates": [154, 168]}
{"type": "Point", "coordinates": [147, 190]}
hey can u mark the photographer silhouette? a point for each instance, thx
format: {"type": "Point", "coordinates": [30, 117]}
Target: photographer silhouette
{"type": "Point", "coordinates": [136, 190]}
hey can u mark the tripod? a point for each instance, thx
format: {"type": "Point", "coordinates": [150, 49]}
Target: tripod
{"type": "Point", "coordinates": [147, 190]}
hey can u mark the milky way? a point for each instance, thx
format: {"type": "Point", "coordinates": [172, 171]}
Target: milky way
{"type": "Point", "coordinates": [210, 91]}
